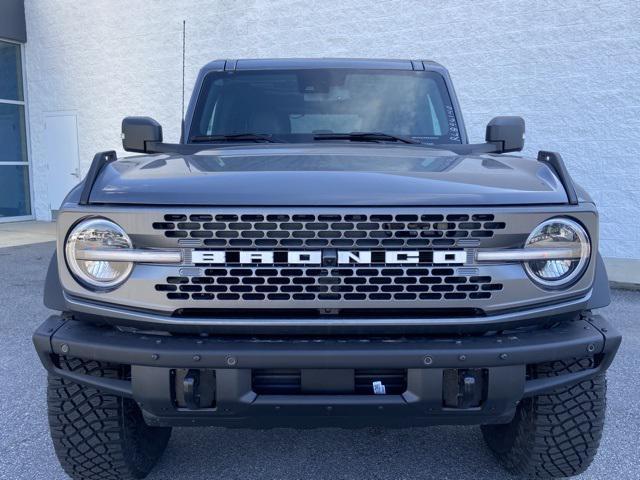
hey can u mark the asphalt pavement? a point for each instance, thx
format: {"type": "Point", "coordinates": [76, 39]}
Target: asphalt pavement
{"type": "Point", "coordinates": [208, 453]}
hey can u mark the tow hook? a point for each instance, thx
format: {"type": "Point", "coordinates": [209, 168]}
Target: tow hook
{"type": "Point", "coordinates": [190, 387]}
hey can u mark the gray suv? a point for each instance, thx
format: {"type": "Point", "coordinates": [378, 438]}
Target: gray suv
{"type": "Point", "coordinates": [325, 247]}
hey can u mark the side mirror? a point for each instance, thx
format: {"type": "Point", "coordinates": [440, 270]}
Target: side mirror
{"type": "Point", "coordinates": [138, 132]}
{"type": "Point", "coordinates": [507, 132]}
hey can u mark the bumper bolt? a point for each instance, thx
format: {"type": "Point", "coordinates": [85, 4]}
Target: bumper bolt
{"type": "Point", "coordinates": [427, 360]}
{"type": "Point", "coordinates": [462, 358]}
{"type": "Point", "coordinates": [64, 348]}
{"type": "Point", "coordinates": [196, 358]}
{"type": "Point", "coordinates": [155, 356]}
{"type": "Point", "coordinates": [591, 348]}
{"type": "Point", "coordinates": [503, 356]}
{"type": "Point", "coordinates": [231, 361]}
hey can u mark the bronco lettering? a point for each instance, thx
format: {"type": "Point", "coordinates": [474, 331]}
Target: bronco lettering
{"type": "Point", "coordinates": [345, 257]}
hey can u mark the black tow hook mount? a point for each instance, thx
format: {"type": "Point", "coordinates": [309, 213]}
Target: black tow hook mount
{"type": "Point", "coordinates": [464, 388]}
{"type": "Point", "coordinates": [194, 388]}
{"type": "Point", "coordinates": [190, 388]}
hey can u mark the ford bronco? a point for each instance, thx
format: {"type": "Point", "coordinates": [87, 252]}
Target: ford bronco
{"type": "Point", "coordinates": [326, 247]}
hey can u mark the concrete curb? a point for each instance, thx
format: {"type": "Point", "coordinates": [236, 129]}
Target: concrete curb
{"type": "Point", "coordinates": [15, 234]}
{"type": "Point", "coordinates": [624, 273]}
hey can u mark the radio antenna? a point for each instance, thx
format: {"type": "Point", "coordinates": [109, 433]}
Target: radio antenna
{"type": "Point", "coordinates": [184, 35]}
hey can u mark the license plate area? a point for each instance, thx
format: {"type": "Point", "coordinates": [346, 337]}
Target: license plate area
{"type": "Point", "coordinates": [272, 381]}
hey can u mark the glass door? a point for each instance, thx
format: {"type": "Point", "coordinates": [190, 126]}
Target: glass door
{"type": "Point", "coordinates": [15, 191]}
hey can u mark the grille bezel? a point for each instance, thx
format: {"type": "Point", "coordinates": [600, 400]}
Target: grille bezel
{"type": "Point", "coordinates": [138, 293]}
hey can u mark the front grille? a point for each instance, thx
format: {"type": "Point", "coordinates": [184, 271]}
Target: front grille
{"type": "Point", "coordinates": [331, 230]}
{"type": "Point", "coordinates": [256, 262]}
{"type": "Point", "coordinates": [343, 283]}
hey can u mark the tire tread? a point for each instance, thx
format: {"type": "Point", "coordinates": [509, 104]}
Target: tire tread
{"type": "Point", "coordinates": [96, 435]}
{"type": "Point", "coordinates": [553, 435]}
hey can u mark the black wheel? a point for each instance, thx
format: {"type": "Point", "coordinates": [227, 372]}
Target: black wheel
{"type": "Point", "coordinates": [554, 435]}
{"type": "Point", "coordinates": [98, 435]}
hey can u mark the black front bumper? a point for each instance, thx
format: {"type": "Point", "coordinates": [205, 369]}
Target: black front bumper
{"type": "Point", "coordinates": [504, 360]}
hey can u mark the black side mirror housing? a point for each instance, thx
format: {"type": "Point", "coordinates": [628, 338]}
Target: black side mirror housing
{"type": "Point", "coordinates": [507, 132]}
{"type": "Point", "coordinates": [138, 132]}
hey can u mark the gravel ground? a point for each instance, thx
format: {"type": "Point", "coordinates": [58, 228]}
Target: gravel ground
{"type": "Point", "coordinates": [203, 453]}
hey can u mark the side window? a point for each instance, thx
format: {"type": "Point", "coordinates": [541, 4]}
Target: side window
{"type": "Point", "coordinates": [206, 124]}
{"type": "Point", "coordinates": [443, 113]}
{"type": "Point", "coordinates": [213, 115]}
{"type": "Point", "coordinates": [435, 121]}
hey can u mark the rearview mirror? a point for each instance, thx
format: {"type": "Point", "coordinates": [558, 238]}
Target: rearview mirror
{"type": "Point", "coordinates": [138, 132]}
{"type": "Point", "coordinates": [507, 132]}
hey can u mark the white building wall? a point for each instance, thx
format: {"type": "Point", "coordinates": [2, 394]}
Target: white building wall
{"type": "Point", "coordinates": [570, 68]}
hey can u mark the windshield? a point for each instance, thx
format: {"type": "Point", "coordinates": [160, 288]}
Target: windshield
{"type": "Point", "coordinates": [303, 105]}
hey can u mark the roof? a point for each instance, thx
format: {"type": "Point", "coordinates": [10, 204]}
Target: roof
{"type": "Point", "coordinates": [302, 63]}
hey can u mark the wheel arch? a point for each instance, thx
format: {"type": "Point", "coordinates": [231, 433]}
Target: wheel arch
{"type": "Point", "coordinates": [601, 294]}
{"type": "Point", "coordinates": [53, 296]}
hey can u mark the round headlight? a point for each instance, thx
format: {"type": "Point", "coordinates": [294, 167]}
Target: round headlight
{"type": "Point", "coordinates": [560, 233]}
{"type": "Point", "coordinates": [97, 234]}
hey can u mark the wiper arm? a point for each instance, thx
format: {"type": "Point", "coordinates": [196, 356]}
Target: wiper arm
{"type": "Point", "coordinates": [366, 137]}
{"type": "Point", "coordinates": [236, 137]}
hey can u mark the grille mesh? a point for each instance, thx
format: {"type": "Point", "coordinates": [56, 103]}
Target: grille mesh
{"type": "Point", "coordinates": [340, 283]}
{"type": "Point", "coordinates": [335, 230]}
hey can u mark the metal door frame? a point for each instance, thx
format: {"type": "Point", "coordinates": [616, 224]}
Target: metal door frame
{"type": "Point", "coordinates": [63, 113]}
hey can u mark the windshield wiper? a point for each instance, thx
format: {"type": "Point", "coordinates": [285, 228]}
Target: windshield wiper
{"type": "Point", "coordinates": [365, 137]}
{"type": "Point", "coordinates": [236, 137]}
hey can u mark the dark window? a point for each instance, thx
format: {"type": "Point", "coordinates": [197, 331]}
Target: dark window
{"type": "Point", "coordinates": [12, 133]}
{"type": "Point", "coordinates": [14, 191]}
{"type": "Point", "coordinates": [15, 197]}
{"type": "Point", "coordinates": [10, 72]}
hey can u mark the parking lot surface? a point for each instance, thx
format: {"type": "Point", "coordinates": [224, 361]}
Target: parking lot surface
{"type": "Point", "coordinates": [207, 453]}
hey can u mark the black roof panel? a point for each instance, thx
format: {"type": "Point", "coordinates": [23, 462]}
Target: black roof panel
{"type": "Point", "coordinates": [301, 63]}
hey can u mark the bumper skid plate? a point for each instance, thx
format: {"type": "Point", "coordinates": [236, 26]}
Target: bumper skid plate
{"type": "Point", "coordinates": [191, 380]}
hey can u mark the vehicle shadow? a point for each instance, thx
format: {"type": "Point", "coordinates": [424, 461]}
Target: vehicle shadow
{"type": "Point", "coordinates": [417, 453]}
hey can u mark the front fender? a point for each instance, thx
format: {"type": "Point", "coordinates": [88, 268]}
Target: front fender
{"type": "Point", "coordinates": [53, 297]}
{"type": "Point", "coordinates": [601, 294]}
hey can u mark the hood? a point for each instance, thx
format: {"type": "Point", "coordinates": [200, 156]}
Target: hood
{"type": "Point", "coordinates": [327, 175]}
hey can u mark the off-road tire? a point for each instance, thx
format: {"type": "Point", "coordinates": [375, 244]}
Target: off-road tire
{"type": "Point", "coordinates": [554, 435]}
{"type": "Point", "coordinates": [96, 435]}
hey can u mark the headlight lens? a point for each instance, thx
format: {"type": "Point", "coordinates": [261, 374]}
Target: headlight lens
{"type": "Point", "coordinates": [97, 234]}
{"type": "Point", "coordinates": [558, 233]}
